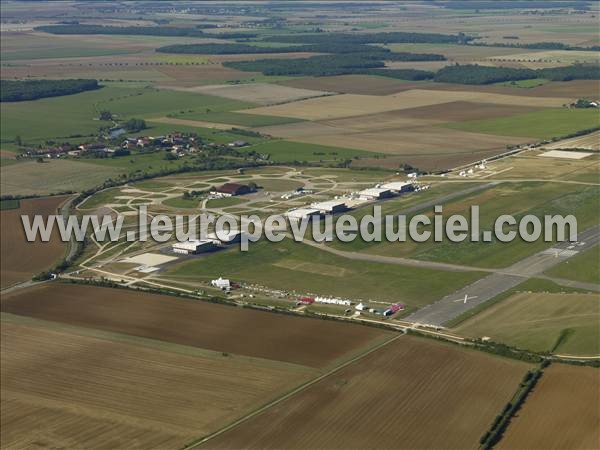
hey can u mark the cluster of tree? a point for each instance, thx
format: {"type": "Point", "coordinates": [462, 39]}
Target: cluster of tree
{"type": "Point", "coordinates": [475, 74]}
{"type": "Point", "coordinates": [491, 438]}
{"type": "Point", "coordinates": [395, 37]}
{"type": "Point", "coordinates": [135, 125]}
{"type": "Point", "coordinates": [513, 4]}
{"type": "Point", "coordinates": [139, 31]}
{"type": "Point", "coordinates": [322, 65]}
{"type": "Point", "coordinates": [364, 50]}
{"type": "Point", "coordinates": [337, 64]}
{"type": "Point", "coordinates": [538, 46]}
{"type": "Point", "coordinates": [17, 91]}
{"type": "Point", "coordinates": [572, 72]}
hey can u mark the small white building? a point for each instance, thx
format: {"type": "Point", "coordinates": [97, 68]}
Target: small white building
{"type": "Point", "coordinates": [300, 213]}
{"type": "Point", "coordinates": [375, 193]}
{"type": "Point", "coordinates": [194, 246]}
{"type": "Point", "coordinates": [398, 186]}
{"type": "Point", "coordinates": [361, 307]}
{"type": "Point", "coordinates": [221, 283]}
{"type": "Point", "coordinates": [330, 206]}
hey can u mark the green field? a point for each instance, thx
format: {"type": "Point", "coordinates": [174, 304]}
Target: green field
{"type": "Point", "coordinates": [9, 204]}
{"type": "Point", "coordinates": [224, 202]}
{"type": "Point", "coordinates": [184, 203]}
{"type": "Point", "coordinates": [152, 185]}
{"type": "Point", "coordinates": [584, 267]}
{"type": "Point", "coordinates": [100, 198]}
{"type": "Point", "coordinates": [544, 124]}
{"type": "Point", "coordinates": [52, 177]}
{"type": "Point", "coordinates": [534, 82]}
{"type": "Point", "coordinates": [241, 119]}
{"type": "Point", "coordinates": [287, 151]}
{"type": "Point", "coordinates": [72, 116]}
{"type": "Point", "coordinates": [64, 52]}
{"type": "Point", "coordinates": [535, 321]}
{"type": "Point", "coordinates": [299, 267]}
{"type": "Point", "coordinates": [275, 185]}
{"type": "Point", "coordinates": [517, 199]}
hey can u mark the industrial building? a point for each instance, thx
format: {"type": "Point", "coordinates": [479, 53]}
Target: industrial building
{"type": "Point", "coordinates": [232, 189]}
{"type": "Point", "coordinates": [193, 247]}
{"type": "Point", "coordinates": [398, 186]}
{"type": "Point", "coordinates": [330, 206]}
{"type": "Point", "coordinates": [300, 213]}
{"type": "Point", "coordinates": [226, 237]}
{"type": "Point", "coordinates": [375, 193]}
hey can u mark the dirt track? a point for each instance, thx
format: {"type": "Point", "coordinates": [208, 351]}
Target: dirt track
{"type": "Point", "coordinates": [409, 394]}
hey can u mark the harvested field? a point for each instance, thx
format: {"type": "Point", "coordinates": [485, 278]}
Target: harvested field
{"type": "Point", "coordinates": [122, 395]}
{"type": "Point", "coordinates": [193, 123]}
{"type": "Point", "coordinates": [193, 323]}
{"type": "Point", "coordinates": [351, 84]}
{"type": "Point", "coordinates": [411, 141]}
{"type": "Point", "coordinates": [461, 110]}
{"type": "Point", "coordinates": [21, 259]}
{"type": "Point", "coordinates": [589, 141]}
{"type": "Point", "coordinates": [370, 85]}
{"type": "Point", "coordinates": [565, 154]}
{"type": "Point", "coordinates": [412, 393]}
{"type": "Point", "coordinates": [561, 413]}
{"type": "Point", "coordinates": [348, 105]}
{"type": "Point", "coordinates": [33, 178]}
{"type": "Point", "coordinates": [261, 93]}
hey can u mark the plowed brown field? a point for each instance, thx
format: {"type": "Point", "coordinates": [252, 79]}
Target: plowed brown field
{"type": "Point", "coordinates": [562, 412]}
{"type": "Point", "coordinates": [65, 390]}
{"type": "Point", "coordinates": [412, 393]}
{"type": "Point", "coordinates": [310, 342]}
{"type": "Point", "coordinates": [20, 260]}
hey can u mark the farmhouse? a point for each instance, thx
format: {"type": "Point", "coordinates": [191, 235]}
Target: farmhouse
{"type": "Point", "coordinates": [398, 186]}
{"type": "Point", "coordinates": [300, 213]}
{"type": "Point", "coordinates": [193, 247]}
{"type": "Point", "coordinates": [330, 206]}
{"type": "Point", "coordinates": [231, 189]}
{"type": "Point", "coordinates": [375, 193]}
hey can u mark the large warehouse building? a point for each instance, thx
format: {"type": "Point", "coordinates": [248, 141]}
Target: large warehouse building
{"type": "Point", "coordinates": [398, 186]}
{"type": "Point", "coordinates": [231, 189]}
{"type": "Point", "coordinates": [375, 193]}
{"type": "Point", "coordinates": [330, 206]}
{"type": "Point", "coordinates": [193, 247]}
{"type": "Point", "coordinates": [300, 213]}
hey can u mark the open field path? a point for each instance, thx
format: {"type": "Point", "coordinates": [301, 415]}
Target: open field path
{"type": "Point", "coordinates": [291, 393]}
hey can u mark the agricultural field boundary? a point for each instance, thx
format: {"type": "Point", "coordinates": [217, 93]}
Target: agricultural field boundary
{"type": "Point", "coordinates": [289, 394]}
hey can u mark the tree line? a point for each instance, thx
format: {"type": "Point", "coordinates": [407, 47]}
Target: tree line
{"type": "Point", "coordinates": [367, 51]}
{"type": "Point", "coordinates": [395, 37]}
{"type": "Point", "coordinates": [18, 91]}
{"type": "Point", "coordinates": [71, 29]}
{"type": "Point", "coordinates": [475, 74]}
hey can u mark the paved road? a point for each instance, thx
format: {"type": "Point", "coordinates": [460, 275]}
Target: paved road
{"type": "Point", "coordinates": [453, 305]}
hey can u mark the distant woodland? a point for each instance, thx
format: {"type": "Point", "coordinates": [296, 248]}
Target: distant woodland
{"type": "Point", "coordinates": [17, 91]}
